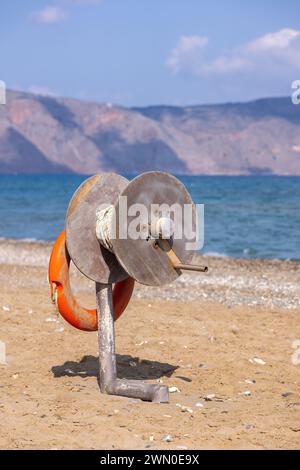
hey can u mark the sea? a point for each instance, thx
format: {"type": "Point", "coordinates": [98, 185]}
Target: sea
{"type": "Point", "coordinates": [244, 216]}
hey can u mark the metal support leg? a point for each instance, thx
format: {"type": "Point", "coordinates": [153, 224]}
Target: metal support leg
{"type": "Point", "coordinates": [109, 383]}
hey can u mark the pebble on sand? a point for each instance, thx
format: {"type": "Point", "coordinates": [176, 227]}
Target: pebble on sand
{"type": "Point", "coordinates": [174, 390]}
{"type": "Point", "coordinates": [202, 366]}
{"type": "Point", "coordinates": [257, 360]}
{"type": "Point", "coordinates": [246, 393]}
{"type": "Point", "coordinates": [141, 343]}
{"type": "Point", "coordinates": [184, 408]}
{"type": "Point", "coordinates": [210, 397]}
{"type": "Point", "coordinates": [168, 438]}
{"type": "Point", "coordinates": [234, 329]}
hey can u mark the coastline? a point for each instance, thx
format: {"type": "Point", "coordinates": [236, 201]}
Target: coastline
{"type": "Point", "coordinates": [209, 254]}
{"type": "Point", "coordinates": [229, 281]}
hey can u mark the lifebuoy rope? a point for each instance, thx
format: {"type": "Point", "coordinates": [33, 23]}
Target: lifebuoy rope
{"type": "Point", "coordinates": [61, 293]}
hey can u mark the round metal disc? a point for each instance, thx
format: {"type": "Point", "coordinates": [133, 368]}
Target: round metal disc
{"type": "Point", "coordinates": [86, 252]}
{"type": "Point", "coordinates": [143, 261]}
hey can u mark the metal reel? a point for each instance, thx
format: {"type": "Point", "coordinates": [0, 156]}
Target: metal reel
{"type": "Point", "coordinates": [143, 258]}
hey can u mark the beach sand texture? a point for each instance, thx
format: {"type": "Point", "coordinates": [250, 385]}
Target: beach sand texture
{"type": "Point", "coordinates": [223, 339]}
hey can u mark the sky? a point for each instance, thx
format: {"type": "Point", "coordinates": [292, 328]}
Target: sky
{"type": "Point", "coordinates": [147, 52]}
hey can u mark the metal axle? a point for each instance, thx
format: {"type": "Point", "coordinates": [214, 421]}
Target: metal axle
{"type": "Point", "coordinates": [109, 383]}
{"type": "Point", "coordinates": [191, 267]}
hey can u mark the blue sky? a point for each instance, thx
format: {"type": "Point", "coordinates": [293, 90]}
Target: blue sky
{"type": "Point", "coordinates": [144, 52]}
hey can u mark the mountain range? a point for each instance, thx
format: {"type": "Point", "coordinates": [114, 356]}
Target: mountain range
{"type": "Point", "coordinates": [43, 134]}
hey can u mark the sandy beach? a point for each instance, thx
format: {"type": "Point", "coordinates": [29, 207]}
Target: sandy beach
{"type": "Point", "coordinates": [224, 339]}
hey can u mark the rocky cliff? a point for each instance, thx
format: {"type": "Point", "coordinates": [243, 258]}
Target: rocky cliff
{"type": "Point", "coordinates": [41, 134]}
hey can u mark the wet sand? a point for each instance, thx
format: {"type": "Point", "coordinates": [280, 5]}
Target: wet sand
{"type": "Point", "coordinates": [223, 339]}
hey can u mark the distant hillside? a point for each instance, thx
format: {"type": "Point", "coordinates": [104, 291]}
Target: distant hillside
{"type": "Point", "coordinates": [41, 134]}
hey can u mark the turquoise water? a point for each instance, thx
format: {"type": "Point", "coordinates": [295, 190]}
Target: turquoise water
{"type": "Point", "coordinates": [245, 217]}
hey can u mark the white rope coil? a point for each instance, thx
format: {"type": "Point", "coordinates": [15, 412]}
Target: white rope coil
{"type": "Point", "coordinates": [104, 226]}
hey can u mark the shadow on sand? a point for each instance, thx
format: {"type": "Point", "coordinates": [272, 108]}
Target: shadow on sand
{"type": "Point", "coordinates": [143, 369]}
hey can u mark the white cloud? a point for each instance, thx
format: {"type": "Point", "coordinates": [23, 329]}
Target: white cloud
{"type": "Point", "coordinates": [42, 90]}
{"type": "Point", "coordinates": [55, 13]}
{"type": "Point", "coordinates": [277, 52]}
{"type": "Point", "coordinates": [50, 14]}
{"type": "Point", "coordinates": [281, 39]}
{"type": "Point", "coordinates": [187, 54]}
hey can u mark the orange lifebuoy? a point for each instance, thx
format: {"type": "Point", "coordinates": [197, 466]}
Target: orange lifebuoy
{"type": "Point", "coordinates": [79, 317]}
